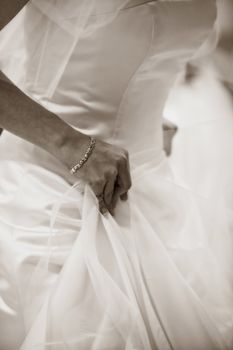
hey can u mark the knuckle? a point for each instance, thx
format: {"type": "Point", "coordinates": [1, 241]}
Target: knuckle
{"type": "Point", "coordinates": [97, 184]}
{"type": "Point", "coordinates": [122, 160]}
{"type": "Point", "coordinates": [111, 173]}
{"type": "Point", "coordinates": [128, 183]}
{"type": "Point", "coordinates": [103, 210]}
{"type": "Point", "coordinates": [121, 191]}
{"type": "Point", "coordinates": [108, 195]}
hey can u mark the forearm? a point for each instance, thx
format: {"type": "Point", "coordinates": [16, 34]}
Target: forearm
{"type": "Point", "coordinates": [29, 120]}
{"type": "Point", "coordinates": [9, 9]}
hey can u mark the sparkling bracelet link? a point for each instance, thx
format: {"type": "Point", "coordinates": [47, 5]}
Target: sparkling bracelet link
{"type": "Point", "coordinates": [89, 151]}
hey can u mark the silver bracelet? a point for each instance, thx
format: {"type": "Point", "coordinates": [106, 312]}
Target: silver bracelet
{"type": "Point", "coordinates": [89, 151]}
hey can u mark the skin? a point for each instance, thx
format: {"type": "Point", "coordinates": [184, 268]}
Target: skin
{"type": "Point", "coordinates": [107, 170]}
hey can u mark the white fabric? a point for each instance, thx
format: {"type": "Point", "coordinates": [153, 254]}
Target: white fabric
{"type": "Point", "coordinates": [158, 274]}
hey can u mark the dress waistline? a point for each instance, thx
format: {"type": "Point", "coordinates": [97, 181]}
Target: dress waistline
{"type": "Point", "coordinates": [107, 6]}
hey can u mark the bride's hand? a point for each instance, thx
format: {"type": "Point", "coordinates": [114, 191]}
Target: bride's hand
{"type": "Point", "coordinates": [106, 171]}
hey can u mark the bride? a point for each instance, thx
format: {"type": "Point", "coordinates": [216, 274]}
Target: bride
{"type": "Point", "coordinates": [102, 245]}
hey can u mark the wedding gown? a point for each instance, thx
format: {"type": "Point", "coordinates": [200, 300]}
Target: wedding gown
{"type": "Point", "coordinates": [158, 274]}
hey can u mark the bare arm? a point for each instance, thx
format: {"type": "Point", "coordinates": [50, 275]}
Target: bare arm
{"type": "Point", "coordinates": [107, 170]}
{"type": "Point", "coordinates": [21, 115]}
{"type": "Point", "coordinates": [27, 119]}
{"type": "Point", "coordinates": [9, 9]}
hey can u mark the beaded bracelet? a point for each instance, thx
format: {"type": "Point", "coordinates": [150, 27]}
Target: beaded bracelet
{"type": "Point", "coordinates": [89, 151]}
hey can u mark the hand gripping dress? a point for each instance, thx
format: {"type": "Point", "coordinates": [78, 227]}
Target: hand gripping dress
{"type": "Point", "coordinates": [157, 275]}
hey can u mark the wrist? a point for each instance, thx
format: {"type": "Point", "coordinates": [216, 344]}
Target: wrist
{"type": "Point", "coordinates": [71, 146]}
{"type": "Point", "coordinates": [78, 165]}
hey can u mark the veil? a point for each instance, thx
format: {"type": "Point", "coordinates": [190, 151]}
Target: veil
{"type": "Point", "coordinates": [40, 40]}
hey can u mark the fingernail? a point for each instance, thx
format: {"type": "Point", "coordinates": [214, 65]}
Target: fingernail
{"type": "Point", "coordinates": [112, 212]}
{"type": "Point", "coordinates": [103, 210]}
{"type": "Point", "coordinates": [124, 196]}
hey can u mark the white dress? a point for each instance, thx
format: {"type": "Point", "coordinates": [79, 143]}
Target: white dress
{"type": "Point", "coordinates": [158, 274]}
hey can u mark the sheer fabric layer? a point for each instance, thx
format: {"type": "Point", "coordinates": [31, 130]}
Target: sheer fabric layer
{"type": "Point", "coordinates": [156, 276]}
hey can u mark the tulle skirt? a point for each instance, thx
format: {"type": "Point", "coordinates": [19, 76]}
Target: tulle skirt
{"type": "Point", "coordinates": [157, 275]}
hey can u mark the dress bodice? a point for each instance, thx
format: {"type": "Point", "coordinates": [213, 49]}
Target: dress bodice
{"type": "Point", "coordinates": [111, 82]}
{"type": "Point", "coordinates": [165, 257]}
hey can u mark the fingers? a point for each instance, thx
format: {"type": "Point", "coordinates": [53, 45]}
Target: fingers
{"type": "Point", "coordinates": [124, 196]}
{"type": "Point", "coordinates": [98, 189]}
{"type": "Point", "coordinates": [109, 193]}
{"type": "Point", "coordinates": [111, 181]}
{"type": "Point", "coordinates": [124, 181]}
{"type": "Point", "coordinates": [102, 205]}
{"type": "Point", "coordinates": [119, 185]}
{"type": "Point", "coordinates": [105, 192]}
{"type": "Point", "coordinates": [115, 197]}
